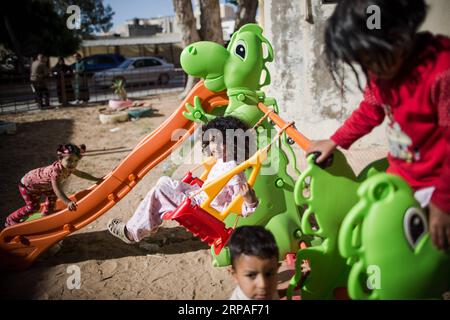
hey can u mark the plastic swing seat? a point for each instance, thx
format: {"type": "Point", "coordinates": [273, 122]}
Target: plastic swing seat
{"type": "Point", "coordinates": [199, 222]}
{"type": "Point", "coordinates": [190, 179]}
{"type": "Point", "coordinates": [203, 225]}
{"type": "Point", "coordinates": [204, 221]}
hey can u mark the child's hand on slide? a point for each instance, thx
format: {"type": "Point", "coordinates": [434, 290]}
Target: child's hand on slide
{"type": "Point", "coordinates": [248, 194]}
{"type": "Point", "coordinates": [72, 205]}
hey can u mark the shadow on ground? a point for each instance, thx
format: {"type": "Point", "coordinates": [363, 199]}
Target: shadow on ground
{"type": "Point", "coordinates": [97, 245]}
{"type": "Point", "coordinates": [101, 245]}
{"type": "Point", "coordinates": [33, 146]}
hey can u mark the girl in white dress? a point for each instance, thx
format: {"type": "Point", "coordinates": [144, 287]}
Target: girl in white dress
{"type": "Point", "coordinates": [168, 193]}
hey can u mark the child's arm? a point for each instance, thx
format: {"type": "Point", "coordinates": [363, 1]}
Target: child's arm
{"type": "Point", "coordinates": [85, 175]}
{"type": "Point", "coordinates": [440, 201]}
{"type": "Point", "coordinates": [248, 194]}
{"type": "Point", "coordinates": [250, 200]}
{"type": "Point", "coordinates": [362, 121]}
{"type": "Point", "coordinates": [72, 205]}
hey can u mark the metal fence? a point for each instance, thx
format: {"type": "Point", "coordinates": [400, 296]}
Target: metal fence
{"type": "Point", "coordinates": [16, 93]}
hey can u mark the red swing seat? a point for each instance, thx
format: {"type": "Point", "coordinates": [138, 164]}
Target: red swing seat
{"type": "Point", "coordinates": [199, 222]}
{"type": "Point", "coordinates": [190, 179]}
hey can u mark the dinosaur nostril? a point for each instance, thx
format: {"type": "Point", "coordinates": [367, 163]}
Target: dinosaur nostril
{"type": "Point", "coordinates": [192, 50]}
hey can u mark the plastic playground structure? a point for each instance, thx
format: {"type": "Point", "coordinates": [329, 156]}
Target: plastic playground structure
{"type": "Point", "coordinates": [357, 218]}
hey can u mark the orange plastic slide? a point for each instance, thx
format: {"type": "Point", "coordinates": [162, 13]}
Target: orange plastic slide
{"type": "Point", "coordinates": [21, 244]}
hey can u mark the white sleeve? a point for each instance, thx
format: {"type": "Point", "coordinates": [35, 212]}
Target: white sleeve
{"type": "Point", "coordinates": [247, 210]}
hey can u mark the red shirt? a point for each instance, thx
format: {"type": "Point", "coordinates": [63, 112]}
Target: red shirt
{"type": "Point", "coordinates": [418, 108]}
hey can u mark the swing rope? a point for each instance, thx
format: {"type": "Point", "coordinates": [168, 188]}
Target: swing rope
{"type": "Point", "coordinates": [269, 111]}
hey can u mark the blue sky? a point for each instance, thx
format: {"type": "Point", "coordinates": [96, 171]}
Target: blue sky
{"type": "Point", "coordinates": [129, 9]}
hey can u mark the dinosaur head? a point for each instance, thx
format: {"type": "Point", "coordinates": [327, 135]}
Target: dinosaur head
{"type": "Point", "coordinates": [247, 62]}
{"type": "Point", "coordinates": [238, 66]}
{"type": "Point", "coordinates": [386, 233]}
{"type": "Point", "coordinates": [206, 59]}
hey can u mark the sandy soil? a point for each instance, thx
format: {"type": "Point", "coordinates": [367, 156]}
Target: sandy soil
{"type": "Point", "coordinates": [171, 265]}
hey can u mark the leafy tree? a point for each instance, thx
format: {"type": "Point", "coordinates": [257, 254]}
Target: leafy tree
{"type": "Point", "coordinates": [29, 27]}
{"type": "Point", "coordinates": [32, 27]}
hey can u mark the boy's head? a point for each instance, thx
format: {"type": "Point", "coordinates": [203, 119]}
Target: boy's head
{"type": "Point", "coordinates": [223, 132]}
{"type": "Point", "coordinates": [254, 260]}
{"type": "Point", "coordinates": [377, 35]}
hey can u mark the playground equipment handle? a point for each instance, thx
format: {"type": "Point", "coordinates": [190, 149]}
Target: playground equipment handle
{"type": "Point", "coordinates": [324, 164]}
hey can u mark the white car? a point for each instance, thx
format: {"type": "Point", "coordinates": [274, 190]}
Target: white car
{"type": "Point", "coordinates": [136, 70]}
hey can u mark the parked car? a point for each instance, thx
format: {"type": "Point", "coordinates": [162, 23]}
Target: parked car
{"type": "Point", "coordinates": [136, 70]}
{"type": "Point", "coordinates": [99, 62]}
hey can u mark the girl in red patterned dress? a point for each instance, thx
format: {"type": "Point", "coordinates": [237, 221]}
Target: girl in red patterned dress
{"type": "Point", "coordinates": [46, 181]}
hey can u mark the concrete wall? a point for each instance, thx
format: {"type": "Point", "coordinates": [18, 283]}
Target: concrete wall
{"type": "Point", "coordinates": [300, 80]}
{"type": "Point", "coordinates": [438, 17]}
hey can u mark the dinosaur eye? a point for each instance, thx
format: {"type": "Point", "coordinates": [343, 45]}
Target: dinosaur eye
{"type": "Point", "coordinates": [240, 50]}
{"type": "Point", "coordinates": [414, 225]}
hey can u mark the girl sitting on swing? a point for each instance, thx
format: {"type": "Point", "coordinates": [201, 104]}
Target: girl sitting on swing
{"type": "Point", "coordinates": [168, 194]}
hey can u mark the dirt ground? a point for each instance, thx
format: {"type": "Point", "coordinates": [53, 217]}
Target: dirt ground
{"type": "Point", "coordinates": [171, 265]}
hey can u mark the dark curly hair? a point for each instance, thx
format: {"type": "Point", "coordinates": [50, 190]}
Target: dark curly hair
{"type": "Point", "coordinates": [347, 35]}
{"type": "Point", "coordinates": [67, 149]}
{"type": "Point", "coordinates": [219, 127]}
{"type": "Point", "coordinates": [252, 241]}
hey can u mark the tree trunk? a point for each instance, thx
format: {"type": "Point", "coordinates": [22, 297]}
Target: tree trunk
{"type": "Point", "coordinates": [186, 20]}
{"type": "Point", "coordinates": [246, 13]}
{"type": "Point", "coordinates": [189, 34]}
{"type": "Point", "coordinates": [211, 23]}
{"type": "Point", "coordinates": [211, 27]}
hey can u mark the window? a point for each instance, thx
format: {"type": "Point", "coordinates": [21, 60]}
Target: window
{"type": "Point", "coordinates": [90, 61]}
{"type": "Point", "coordinates": [105, 60]}
{"type": "Point", "coordinates": [152, 63]}
{"type": "Point", "coordinates": [139, 64]}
